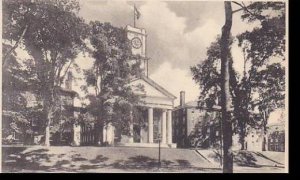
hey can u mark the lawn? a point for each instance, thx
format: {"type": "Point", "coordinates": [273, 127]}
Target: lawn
{"type": "Point", "coordinates": [108, 159]}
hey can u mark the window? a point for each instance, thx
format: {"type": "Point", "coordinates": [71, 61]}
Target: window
{"type": "Point", "coordinates": [34, 122]}
{"type": "Point", "coordinates": [67, 100]}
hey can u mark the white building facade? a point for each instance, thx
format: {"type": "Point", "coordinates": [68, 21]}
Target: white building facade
{"type": "Point", "coordinates": [156, 104]}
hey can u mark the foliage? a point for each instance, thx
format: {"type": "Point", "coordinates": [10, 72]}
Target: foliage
{"type": "Point", "coordinates": [262, 83]}
{"type": "Point", "coordinates": [113, 69]}
{"type": "Point", "coordinates": [52, 35]}
{"type": "Point", "coordinates": [261, 46]}
{"type": "Point", "coordinates": [204, 133]}
{"type": "Point", "coordinates": [16, 79]}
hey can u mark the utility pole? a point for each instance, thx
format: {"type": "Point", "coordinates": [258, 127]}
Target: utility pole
{"type": "Point", "coordinates": [159, 139]}
{"type": "Point", "coordinates": [221, 143]}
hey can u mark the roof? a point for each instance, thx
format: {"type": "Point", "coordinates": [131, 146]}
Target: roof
{"type": "Point", "coordinates": [67, 91]}
{"type": "Point", "coordinates": [194, 104]}
{"type": "Point", "coordinates": [156, 86]}
{"type": "Point", "coordinates": [191, 104]}
{"type": "Point", "coordinates": [276, 127]}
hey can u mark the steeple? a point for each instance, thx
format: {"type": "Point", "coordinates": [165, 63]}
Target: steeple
{"type": "Point", "coordinates": [137, 37]}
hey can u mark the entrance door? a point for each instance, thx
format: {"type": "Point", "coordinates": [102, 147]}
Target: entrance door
{"type": "Point", "coordinates": [136, 133]}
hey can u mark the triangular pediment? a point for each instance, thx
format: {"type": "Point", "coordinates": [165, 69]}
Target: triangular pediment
{"type": "Point", "coordinates": [150, 88]}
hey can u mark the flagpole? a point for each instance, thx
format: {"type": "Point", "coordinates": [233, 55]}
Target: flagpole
{"type": "Point", "coordinates": [134, 15]}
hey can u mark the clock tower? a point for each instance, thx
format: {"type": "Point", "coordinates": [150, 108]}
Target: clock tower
{"type": "Point", "coordinates": [137, 38]}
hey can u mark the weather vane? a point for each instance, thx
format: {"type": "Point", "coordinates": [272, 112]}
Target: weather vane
{"type": "Point", "coordinates": [136, 15]}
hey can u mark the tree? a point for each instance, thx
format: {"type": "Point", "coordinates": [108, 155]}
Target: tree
{"type": "Point", "coordinates": [54, 36]}
{"type": "Point", "coordinates": [225, 91]}
{"type": "Point", "coordinates": [260, 46]}
{"type": "Point", "coordinates": [14, 104]}
{"type": "Point", "coordinates": [113, 69]}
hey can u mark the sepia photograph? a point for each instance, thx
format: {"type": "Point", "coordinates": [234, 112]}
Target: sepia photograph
{"type": "Point", "coordinates": [147, 86]}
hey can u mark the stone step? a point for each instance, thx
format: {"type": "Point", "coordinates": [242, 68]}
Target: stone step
{"type": "Point", "coordinates": [173, 145]}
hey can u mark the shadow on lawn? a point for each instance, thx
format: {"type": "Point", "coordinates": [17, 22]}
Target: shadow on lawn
{"type": "Point", "coordinates": [136, 162]}
{"type": "Point", "coordinates": [20, 159]}
{"type": "Point", "coordinates": [249, 159]}
{"type": "Point", "coordinates": [41, 160]}
{"type": "Point", "coordinates": [244, 158]}
{"type": "Point", "coordinates": [147, 163]}
{"type": "Point", "coordinates": [263, 156]}
{"type": "Point", "coordinates": [99, 159]}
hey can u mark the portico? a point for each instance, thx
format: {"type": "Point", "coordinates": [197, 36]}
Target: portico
{"type": "Point", "coordinates": [159, 122]}
{"type": "Point", "coordinates": [164, 126]}
{"type": "Point", "coordinates": [156, 104]}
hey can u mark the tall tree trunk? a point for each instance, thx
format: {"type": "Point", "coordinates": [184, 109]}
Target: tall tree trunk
{"type": "Point", "coordinates": [47, 128]}
{"type": "Point", "coordinates": [47, 136]}
{"type": "Point", "coordinates": [225, 91]}
{"type": "Point", "coordinates": [242, 138]}
{"type": "Point", "coordinates": [131, 133]}
{"type": "Point", "coordinates": [242, 127]}
{"type": "Point", "coordinates": [49, 107]}
{"type": "Point", "coordinates": [264, 140]}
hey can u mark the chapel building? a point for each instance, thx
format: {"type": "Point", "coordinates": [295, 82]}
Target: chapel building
{"type": "Point", "coordinates": [156, 107]}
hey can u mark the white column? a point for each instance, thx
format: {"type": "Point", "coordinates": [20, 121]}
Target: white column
{"type": "Point", "coordinates": [131, 128]}
{"type": "Point", "coordinates": [164, 127]}
{"type": "Point", "coordinates": [130, 140]}
{"type": "Point", "coordinates": [150, 125]}
{"type": "Point", "coordinates": [141, 134]}
{"type": "Point", "coordinates": [104, 134]}
{"type": "Point", "coordinates": [110, 134]}
{"type": "Point", "coordinates": [76, 135]}
{"type": "Point", "coordinates": [83, 133]}
{"type": "Point", "coordinates": [169, 126]}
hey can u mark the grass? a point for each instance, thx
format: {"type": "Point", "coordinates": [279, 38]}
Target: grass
{"type": "Point", "coordinates": [103, 159]}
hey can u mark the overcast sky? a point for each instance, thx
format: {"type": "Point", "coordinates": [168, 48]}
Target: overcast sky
{"type": "Point", "coordinates": [178, 35]}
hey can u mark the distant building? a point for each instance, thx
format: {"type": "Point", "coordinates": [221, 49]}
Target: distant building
{"type": "Point", "coordinates": [201, 127]}
{"type": "Point", "coordinates": [34, 133]}
{"type": "Point", "coordinates": [195, 126]}
{"type": "Point", "coordinates": [276, 137]}
{"type": "Point", "coordinates": [253, 140]}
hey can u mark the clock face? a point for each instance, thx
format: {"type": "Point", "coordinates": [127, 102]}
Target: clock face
{"type": "Point", "coordinates": [136, 42]}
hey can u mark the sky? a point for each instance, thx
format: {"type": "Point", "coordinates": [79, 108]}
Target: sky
{"type": "Point", "coordinates": [178, 35]}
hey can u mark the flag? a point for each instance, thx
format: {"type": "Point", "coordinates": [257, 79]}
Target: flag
{"type": "Point", "coordinates": [137, 14]}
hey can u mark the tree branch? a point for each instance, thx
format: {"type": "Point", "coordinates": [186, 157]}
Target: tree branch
{"type": "Point", "coordinates": [4, 63]}
{"type": "Point", "coordinates": [237, 10]}
{"type": "Point", "coordinates": [244, 7]}
{"type": "Point", "coordinates": [71, 62]}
